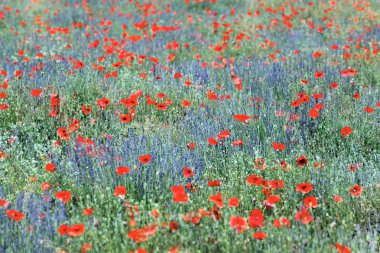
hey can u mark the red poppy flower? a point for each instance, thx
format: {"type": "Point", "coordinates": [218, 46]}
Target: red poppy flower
{"type": "Point", "coordinates": [78, 64]}
{"type": "Point", "coordinates": [296, 103]}
{"type": "Point", "coordinates": [338, 199]}
{"type": "Point", "coordinates": [255, 180]}
{"type": "Point", "coordinates": [130, 102]}
{"type": "Point", "coordinates": [313, 113]}
{"type": "Point", "coordinates": [265, 190]}
{"type": "Point", "coordinates": [259, 235]}
{"type": "Point", "coordinates": [224, 134]}
{"type": "Point", "coordinates": [50, 167]}
{"type": "Point", "coordinates": [191, 145]}
{"type": "Point", "coordinates": [76, 230]}
{"type": "Point", "coordinates": [319, 74]}
{"type": "Point", "coordinates": [62, 230]}
{"type": "Point", "coordinates": [238, 223]}
{"type": "Point", "coordinates": [161, 107]}
{"type": "Point", "coordinates": [276, 184]}
{"type": "Point", "coordinates": [186, 103]}
{"type": "Point", "coordinates": [120, 191]}
{"type": "Point", "coordinates": [87, 211]}
{"type": "Point", "coordinates": [342, 249]}
{"type": "Point", "coordinates": [317, 96]}
{"type": "Point", "coordinates": [212, 141]}
{"type": "Point", "coordinates": [3, 203]}
{"type": "Point", "coordinates": [45, 186]}
{"type": "Point", "coordinates": [74, 126]}
{"type": "Point", "coordinates": [62, 132]}
{"type": "Point", "coordinates": [212, 95]}
{"type": "Point", "coordinates": [237, 143]}
{"type": "Point", "coordinates": [278, 146]}
{"type": "Point", "coordinates": [149, 230]}
{"type": "Point", "coordinates": [242, 117]}
{"type": "Point", "coordinates": [310, 202]}
{"type": "Point", "coordinates": [173, 225]}
{"type": "Point", "coordinates": [168, 102]}
{"type": "Point", "coordinates": [122, 170]}
{"type": "Point", "coordinates": [256, 218]}
{"type": "Point", "coordinates": [86, 109]}
{"type": "Point", "coordinates": [179, 194]}
{"type": "Point", "coordinates": [369, 109]}
{"type": "Point", "coordinates": [213, 183]}
{"type": "Point", "coordinates": [161, 95]}
{"type": "Point", "coordinates": [18, 73]}
{"type": "Point", "coordinates": [233, 202]}
{"type": "Point", "coordinates": [348, 72]}
{"type": "Point", "coordinates": [356, 190]}
{"type": "Point", "coordinates": [346, 131]}
{"type": "Point", "coordinates": [103, 103]}
{"type": "Point", "coordinates": [177, 189]}
{"type": "Point", "coordinates": [55, 101]}
{"type": "Point", "coordinates": [317, 54]}
{"type": "Point", "coordinates": [301, 161]}
{"type": "Point", "coordinates": [14, 215]}
{"type": "Point", "coordinates": [187, 172]}
{"type": "Point", "coordinates": [137, 236]}
{"type": "Point", "coordinates": [304, 188]}
{"type": "Point", "coordinates": [334, 85]}
{"type": "Point", "coordinates": [187, 82]}
{"type": "Point", "coordinates": [217, 199]}
{"type": "Point", "coordinates": [177, 75]}
{"type": "Point", "coordinates": [144, 159]}
{"type": "Point", "coordinates": [356, 95]}
{"type": "Point", "coordinates": [318, 106]}
{"type": "Point", "coordinates": [85, 248]}
{"type": "Point", "coordinates": [303, 97]}
{"type": "Point", "coordinates": [36, 93]}
{"type": "Point", "coordinates": [274, 199]}
{"type": "Point", "coordinates": [64, 196]}
{"type": "Point", "coordinates": [125, 118]}
{"type": "Point", "coordinates": [304, 216]}
{"type": "Point", "coordinates": [4, 107]}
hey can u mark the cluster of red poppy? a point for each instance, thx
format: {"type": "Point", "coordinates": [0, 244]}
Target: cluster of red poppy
{"type": "Point", "coordinates": [3, 95]}
{"type": "Point", "coordinates": [111, 58]}
{"type": "Point", "coordinates": [72, 231]}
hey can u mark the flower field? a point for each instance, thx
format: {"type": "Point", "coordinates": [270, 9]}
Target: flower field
{"type": "Point", "coordinates": [189, 126]}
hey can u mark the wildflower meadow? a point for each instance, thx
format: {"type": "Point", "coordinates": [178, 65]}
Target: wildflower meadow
{"type": "Point", "coordinates": [186, 126]}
